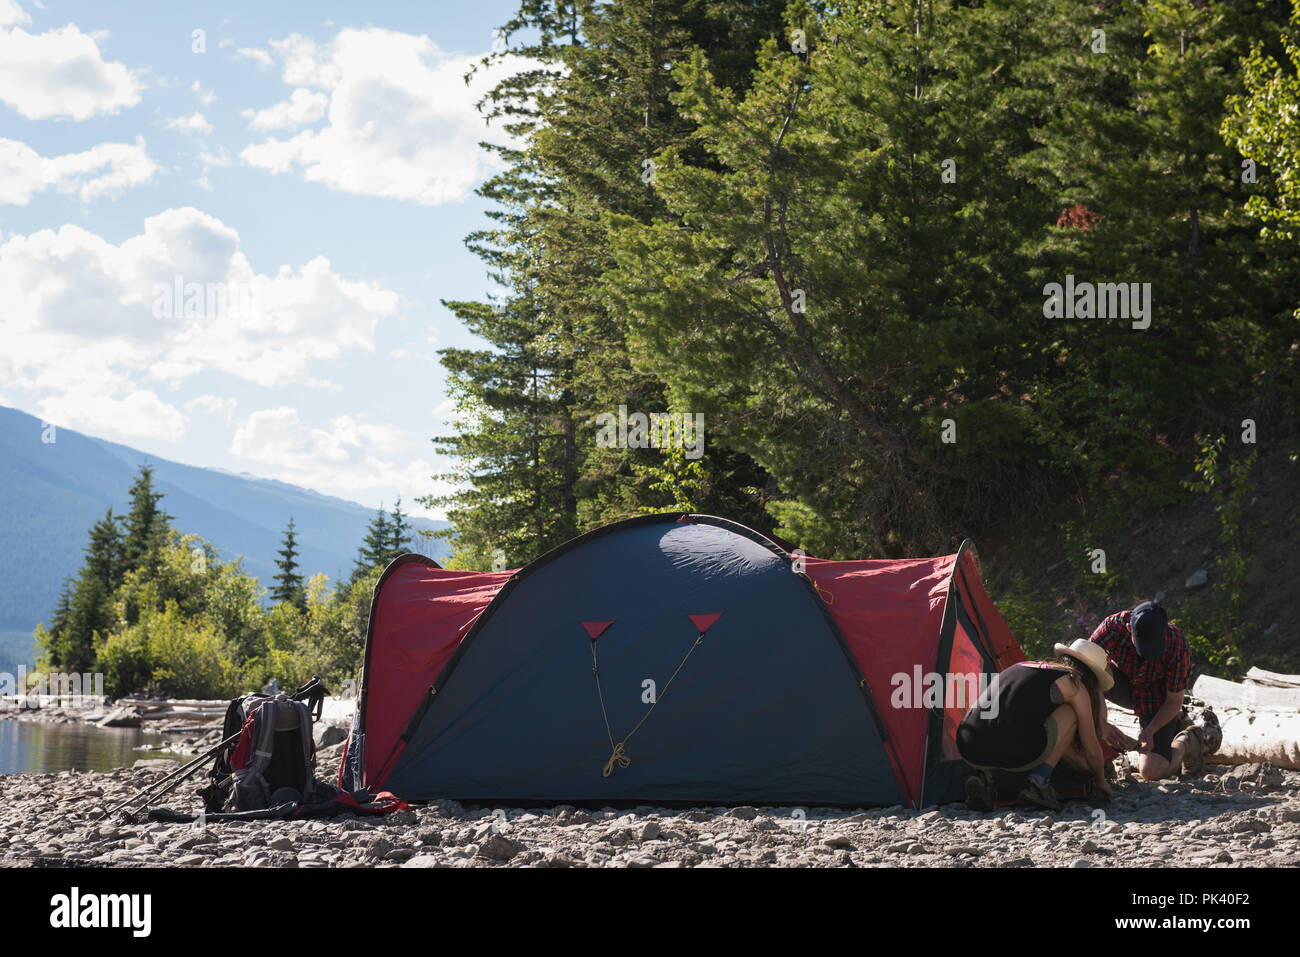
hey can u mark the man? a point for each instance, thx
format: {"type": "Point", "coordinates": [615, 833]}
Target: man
{"type": "Point", "coordinates": [1151, 664]}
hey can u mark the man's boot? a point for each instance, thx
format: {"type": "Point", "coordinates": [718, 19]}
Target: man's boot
{"type": "Point", "coordinates": [1193, 749]}
{"type": "Point", "coordinates": [1211, 733]}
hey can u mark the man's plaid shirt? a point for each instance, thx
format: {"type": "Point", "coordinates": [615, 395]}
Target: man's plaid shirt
{"type": "Point", "coordinates": [1152, 680]}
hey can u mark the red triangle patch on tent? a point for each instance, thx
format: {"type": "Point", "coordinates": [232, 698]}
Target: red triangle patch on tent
{"type": "Point", "coordinates": [703, 623]}
{"type": "Point", "coordinates": [596, 628]}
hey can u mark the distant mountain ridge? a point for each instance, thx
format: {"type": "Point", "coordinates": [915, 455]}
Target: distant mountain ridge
{"type": "Point", "coordinates": [50, 495]}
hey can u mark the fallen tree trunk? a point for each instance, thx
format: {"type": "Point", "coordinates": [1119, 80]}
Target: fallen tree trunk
{"type": "Point", "coordinates": [1266, 736]}
{"type": "Point", "coordinates": [1247, 696]}
{"type": "Point", "coordinates": [1261, 677]}
{"type": "Point", "coordinates": [173, 703]}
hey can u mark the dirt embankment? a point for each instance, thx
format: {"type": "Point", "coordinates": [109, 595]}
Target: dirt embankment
{"type": "Point", "coordinates": [1172, 554]}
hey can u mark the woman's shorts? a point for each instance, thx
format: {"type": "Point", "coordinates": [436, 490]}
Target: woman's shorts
{"type": "Point", "coordinates": [1051, 734]}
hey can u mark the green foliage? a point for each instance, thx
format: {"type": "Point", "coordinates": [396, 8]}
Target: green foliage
{"type": "Point", "coordinates": [677, 478]}
{"type": "Point", "coordinates": [1263, 123]}
{"type": "Point", "coordinates": [839, 254]}
{"type": "Point", "coordinates": [1026, 613]}
{"type": "Point", "coordinates": [124, 661]}
{"type": "Point", "coordinates": [181, 622]}
{"type": "Point", "coordinates": [1215, 633]}
{"type": "Point", "coordinates": [187, 657]}
{"type": "Point", "coordinates": [800, 523]}
{"type": "Point", "coordinates": [1090, 551]}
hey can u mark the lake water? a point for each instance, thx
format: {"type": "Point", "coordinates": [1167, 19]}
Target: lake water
{"type": "Point", "coordinates": [33, 747]}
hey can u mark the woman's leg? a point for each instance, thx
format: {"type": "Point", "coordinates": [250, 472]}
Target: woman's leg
{"type": "Point", "coordinates": [1066, 726]}
{"type": "Point", "coordinates": [1060, 726]}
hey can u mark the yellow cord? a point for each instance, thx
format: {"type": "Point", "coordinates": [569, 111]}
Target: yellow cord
{"type": "Point", "coordinates": [617, 756]}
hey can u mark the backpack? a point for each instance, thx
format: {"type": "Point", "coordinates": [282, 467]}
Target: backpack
{"type": "Point", "coordinates": [270, 755]}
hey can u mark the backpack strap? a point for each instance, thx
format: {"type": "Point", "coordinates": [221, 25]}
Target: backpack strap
{"type": "Point", "coordinates": [256, 746]}
{"type": "Point", "coordinates": [308, 743]}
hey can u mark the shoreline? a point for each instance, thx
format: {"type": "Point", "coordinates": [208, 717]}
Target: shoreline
{"type": "Point", "coordinates": [195, 730]}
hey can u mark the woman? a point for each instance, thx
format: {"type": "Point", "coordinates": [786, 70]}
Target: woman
{"type": "Point", "coordinates": [1029, 719]}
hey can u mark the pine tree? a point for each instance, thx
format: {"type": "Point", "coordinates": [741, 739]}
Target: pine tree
{"type": "Point", "coordinates": [106, 553]}
{"type": "Point", "coordinates": [531, 473]}
{"type": "Point", "coordinates": [147, 524]}
{"type": "Point", "coordinates": [83, 611]}
{"type": "Point", "coordinates": [288, 581]}
{"type": "Point", "coordinates": [62, 608]}
{"type": "Point", "coordinates": [375, 549]}
{"type": "Point", "coordinates": [821, 291]}
{"type": "Point", "coordinates": [399, 532]}
{"type": "Point", "coordinates": [89, 617]}
{"type": "Point", "coordinates": [1136, 140]}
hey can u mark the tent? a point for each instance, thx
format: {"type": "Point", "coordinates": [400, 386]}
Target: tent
{"type": "Point", "coordinates": [673, 659]}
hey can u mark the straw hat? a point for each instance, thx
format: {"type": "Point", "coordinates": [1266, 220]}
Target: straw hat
{"type": "Point", "coordinates": [1091, 654]}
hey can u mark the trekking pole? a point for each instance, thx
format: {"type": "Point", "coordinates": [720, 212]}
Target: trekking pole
{"type": "Point", "coordinates": [175, 777]}
{"type": "Point", "coordinates": [313, 693]}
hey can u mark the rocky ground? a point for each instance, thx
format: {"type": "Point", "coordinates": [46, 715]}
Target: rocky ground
{"type": "Point", "coordinates": [1241, 817]}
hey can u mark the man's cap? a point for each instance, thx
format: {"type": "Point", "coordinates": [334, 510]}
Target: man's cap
{"type": "Point", "coordinates": [1148, 624]}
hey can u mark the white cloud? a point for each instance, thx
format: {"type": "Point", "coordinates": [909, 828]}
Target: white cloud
{"type": "Point", "coordinates": [87, 321]}
{"type": "Point", "coordinates": [133, 414]}
{"type": "Point", "coordinates": [103, 170]}
{"type": "Point", "coordinates": [219, 158]}
{"type": "Point", "coordinates": [60, 73]}
{"type": "Point", "coordinates": [195, 123]}
{"type": "Point", "coordinates": [11, 13]}
{"type": "Point", "coordinates": [255, 54]}
{"type": "Point", "coordinates": [215, 404]}
{"type": "Point", "coordinates": [206, 97]}
{"type": "Point", "coordinates": [304, 64]}
{"type": "Point", "coordinates": [302, 107]}
{"type": "Point", "coordinates": [402, 122]}
{"type": "Point", "coordinates": [351, 457]}
{"type": "Point", "coordinates": [443, 411]}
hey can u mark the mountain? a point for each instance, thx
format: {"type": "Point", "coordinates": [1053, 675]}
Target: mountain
{"type": "Point", "coordinates": [50, 495]}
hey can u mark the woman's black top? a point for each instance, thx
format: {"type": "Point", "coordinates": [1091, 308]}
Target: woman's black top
{"type": "Point", "coordinates": [1011, 734]}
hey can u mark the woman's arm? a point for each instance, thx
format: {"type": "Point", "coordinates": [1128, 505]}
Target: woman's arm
{"type": "Point", "coordinates": [1074, 695]}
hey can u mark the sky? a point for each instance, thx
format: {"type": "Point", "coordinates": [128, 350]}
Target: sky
{"type": "Point", "coordinates": [225, 231]}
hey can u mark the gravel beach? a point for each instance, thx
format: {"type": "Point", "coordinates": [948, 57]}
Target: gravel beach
{"type": "Point", "coordinates": [1229, 817]}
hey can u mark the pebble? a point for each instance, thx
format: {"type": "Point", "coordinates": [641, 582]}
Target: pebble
{"type": "Point", "coordinates": [1198, 825]}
